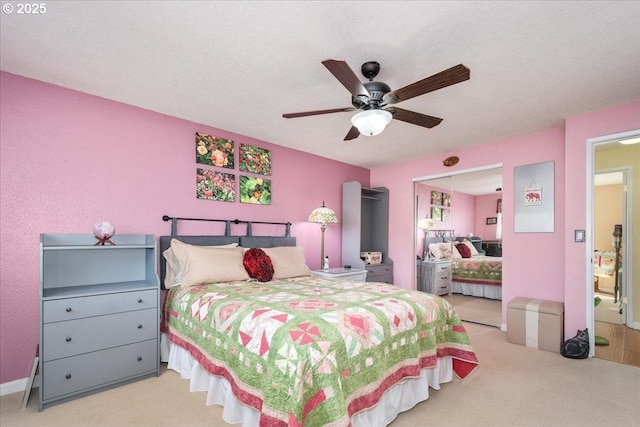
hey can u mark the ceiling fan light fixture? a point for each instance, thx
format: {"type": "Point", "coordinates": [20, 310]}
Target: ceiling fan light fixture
{"type": "Point", "coordinates": [371, 122]}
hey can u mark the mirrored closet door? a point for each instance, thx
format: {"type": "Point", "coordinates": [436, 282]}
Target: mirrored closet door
{"type": "Point", "coordinates": [459, 242]}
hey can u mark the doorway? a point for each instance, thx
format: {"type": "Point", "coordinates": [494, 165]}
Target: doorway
{"type": "Point", "coordinates": [609, 215]}
{"type": "Point", "coordinates": [463, 205]}
{"type": "Point", "coordinates": [607, 155]}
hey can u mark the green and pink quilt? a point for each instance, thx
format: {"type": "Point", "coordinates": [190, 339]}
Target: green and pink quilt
{"type": "Point", "coordinates": [311, 351]}
{"type": "Point", "coordinates": [479, 269]}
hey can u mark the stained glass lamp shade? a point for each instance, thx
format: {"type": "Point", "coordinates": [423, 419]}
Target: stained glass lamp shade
{"type": "Point", "coordinates": [323, 216]}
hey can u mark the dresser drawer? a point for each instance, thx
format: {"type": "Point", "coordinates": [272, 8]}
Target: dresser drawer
{"type": "Point", "coordinates": [73, 374]}
{"type": "Point", "coordinates": [64, 339]}
{"type": "Point", "coordinates": [77, 308]}
{"type": "Point", "coordinates": [442, 286]}
{"type": "Point", "coordinates": [442, 269]}
{"type": "Point", "coordinates": [380, 273]}
{"type": "Point", "coordinates": [383, 278]}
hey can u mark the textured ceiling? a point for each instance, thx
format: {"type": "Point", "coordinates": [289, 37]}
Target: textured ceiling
{"type": "Point", "coordinates": [240, 65]}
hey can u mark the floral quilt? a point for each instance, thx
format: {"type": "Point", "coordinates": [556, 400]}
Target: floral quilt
{"type": "Point", "coordinates": [484, 270]}
{"type": "Point", "coordinates": [312, 351]}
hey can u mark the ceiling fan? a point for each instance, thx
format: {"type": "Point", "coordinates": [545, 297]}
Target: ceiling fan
{"type": "Point", "coordinates": [373, 96]}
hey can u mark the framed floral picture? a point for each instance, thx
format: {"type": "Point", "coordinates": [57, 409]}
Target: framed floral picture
{"type": "Point", "coordinates": [436, 198]}
{"type": "Point", "coordinates": [255, 190]}
{"type": "Point", "coordinates": [254, 159]}
{"type": "Point", "coordinates": [436, 213]}
{"type": "Point", "coordinates": [214, 151]}
{"type": "Point", "coordinates": [213, 185]}
{"type": "Point", "coordinates": [446, 200]}
{"type": "Point", "coordinates": [446, 214]}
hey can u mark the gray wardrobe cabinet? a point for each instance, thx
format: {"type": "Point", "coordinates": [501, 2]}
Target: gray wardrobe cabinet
{"type": "Point", "coordinates": [99, 314]}
{"type": "Point", "coordinates": [365, 228]}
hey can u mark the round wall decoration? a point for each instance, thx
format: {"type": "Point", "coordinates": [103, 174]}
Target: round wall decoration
{"type": "Point", "coordinates": [451, 161]}
{"type": "Point", "coordinates": [104, 231]}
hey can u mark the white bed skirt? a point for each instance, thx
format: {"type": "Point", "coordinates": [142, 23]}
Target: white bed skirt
{"type": "Point", "coordinates": [484, 291]}
{"type": "Point", "coordinates": [400, 398]}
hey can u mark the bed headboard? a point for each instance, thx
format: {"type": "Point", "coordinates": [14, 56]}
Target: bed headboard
{"type": "Point", "coordinates": [248, 240]}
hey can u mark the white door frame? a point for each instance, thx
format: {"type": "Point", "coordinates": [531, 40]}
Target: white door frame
{"type": "Point", "coordinates": [590, 172]}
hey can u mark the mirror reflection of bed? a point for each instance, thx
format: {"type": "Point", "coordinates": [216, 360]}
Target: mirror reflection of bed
{"type": "Point", "coordinates": [465, 209]}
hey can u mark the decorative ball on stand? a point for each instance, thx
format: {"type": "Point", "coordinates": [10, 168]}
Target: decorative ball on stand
{"type": "Point", "coordinates": [103, 231]}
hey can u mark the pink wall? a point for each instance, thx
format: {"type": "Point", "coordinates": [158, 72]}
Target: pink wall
{"type": "Point", "coordinates": [578, 131]}
{"type": "Point", "coordinates": [462, 216]}
{"type": "Point", "coordinates": [486, 208]}
{"type": "Point", "coordinates": [464, 212]}
{"type": "Point", "coordinates": [68, 159]}
{"type": "Point", "coordinates": [559, 263]}
{"type": "Point", "coordinates": [519, 254]}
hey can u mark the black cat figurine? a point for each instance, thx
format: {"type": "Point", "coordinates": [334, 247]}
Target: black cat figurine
{"type": "Point", "coordinates": [576, 347]}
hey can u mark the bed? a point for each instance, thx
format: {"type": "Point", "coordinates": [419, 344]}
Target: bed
{"type": "Point", "coordinates": [474, 273]}
{"type": "Point", "coordinates": [304, 350]}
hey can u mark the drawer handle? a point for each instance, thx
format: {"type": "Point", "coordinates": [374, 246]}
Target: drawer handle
{"type": "Point", "coordinates": [139, 300]}
{"type": "Point", "coordinates": [139, 359]}
{"type": "Point", "coordinates": [68, 309]}
{"type": "Point", "coordinates": [68, 339]}
{"type": "Point", "coordinates": [139, 326]}
{"type": "Point", "coordinates": [68, 376]}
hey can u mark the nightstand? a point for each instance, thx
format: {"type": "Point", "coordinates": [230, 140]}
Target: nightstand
{"type": "Point", "coordinates": [353, 274]}
{"type": "Point", "coordinates": [436, 277]}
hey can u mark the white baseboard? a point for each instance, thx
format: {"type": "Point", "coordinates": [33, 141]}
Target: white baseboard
{"type": "Point", "coordinates": [11, 387]}
{"type": "Point", "coordinates": [503, 327]}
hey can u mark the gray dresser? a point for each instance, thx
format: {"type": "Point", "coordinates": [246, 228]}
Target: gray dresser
{"type": "Point", "coordinates": [436, 277]}
{"type": "Point", "coordinates": [100, 313]}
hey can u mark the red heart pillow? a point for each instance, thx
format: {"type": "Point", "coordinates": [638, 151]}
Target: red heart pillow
{"type": "Point", "coordinates": [258, 264]}
{"type": "Point", "coordinates": [464, 250]}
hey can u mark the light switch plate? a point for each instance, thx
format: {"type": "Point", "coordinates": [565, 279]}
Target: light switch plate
{"type": "Point", "coordinates": [578, 235]}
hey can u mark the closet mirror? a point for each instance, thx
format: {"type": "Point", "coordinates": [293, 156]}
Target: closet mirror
{"type": "Point", "coordinates": [459, 243]}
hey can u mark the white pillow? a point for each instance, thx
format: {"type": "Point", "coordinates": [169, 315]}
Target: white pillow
{"type": "Point", "coordinates": [456, 253]}
{"type": "Point", "coordinates": [173, 274]}
{"type": "Point", "coordinates": [189, 265]}
{"type": "Point", "coordinates": [288, 261]}
{"type": "Point", "coordinates": [472, 248]}
{"type": "Point", "coordinates": [434, 250]}
{"type": "Point", "coordinates": [446, 250]}
{"type": "Point", "coordinates": [443, 250]}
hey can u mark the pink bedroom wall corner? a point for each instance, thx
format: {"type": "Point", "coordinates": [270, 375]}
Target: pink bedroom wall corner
{"type": "Point", "coordinates": [69, 159]}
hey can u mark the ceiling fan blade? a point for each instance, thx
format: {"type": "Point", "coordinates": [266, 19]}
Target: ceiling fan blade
{"type": "Point", "coordinates": [415, 118]}
{"type": "Point", "coordinates": [346, 76]}
{"type": "Point", "coordinates": [352, 134]}
{"type": "Point", "coordinates": [445, 78]}
{"type": "Point", "coordinates": [318, 112]}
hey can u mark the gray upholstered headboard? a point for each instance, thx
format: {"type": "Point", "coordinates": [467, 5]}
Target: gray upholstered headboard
{"type": "Point", "coordinates": [246, 241]}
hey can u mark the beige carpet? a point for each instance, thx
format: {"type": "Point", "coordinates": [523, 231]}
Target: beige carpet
{"type": "Point", "coordinates": [514, 386]}
{"type": "Point", "coordinates": [478, 310]}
